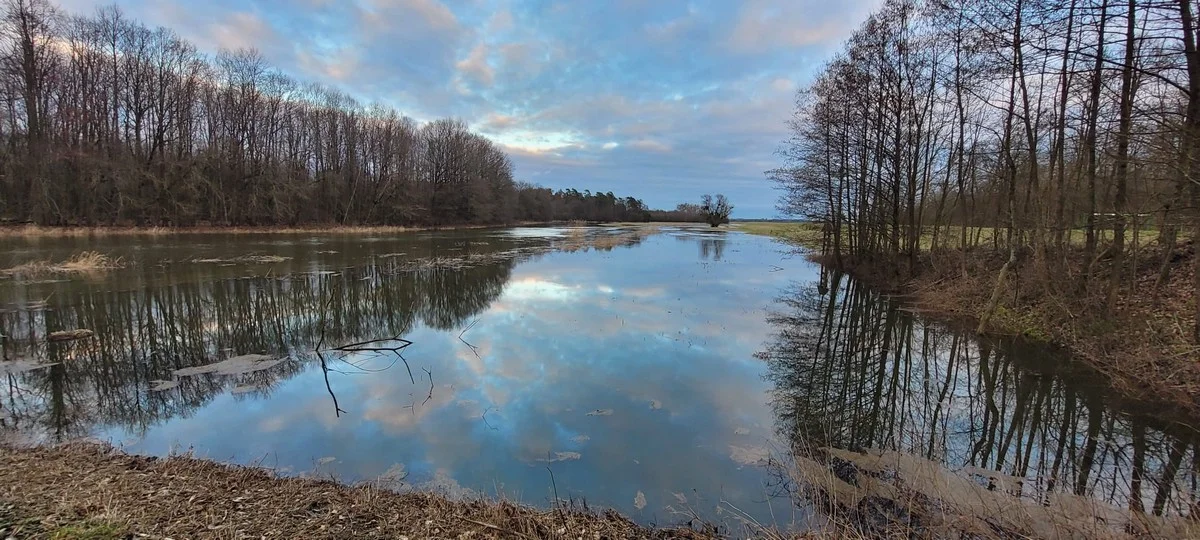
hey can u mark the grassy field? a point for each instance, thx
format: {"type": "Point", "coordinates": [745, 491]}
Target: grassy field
{"type": "Point", "coordinates": [809, 234]}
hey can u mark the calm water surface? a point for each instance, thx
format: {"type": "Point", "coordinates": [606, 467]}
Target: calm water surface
{"type": "Point", "coordinates": [652, 373]}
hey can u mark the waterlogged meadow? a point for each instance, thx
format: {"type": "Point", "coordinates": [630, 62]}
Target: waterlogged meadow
{"type": "Point", "coordinates": [667, 372]}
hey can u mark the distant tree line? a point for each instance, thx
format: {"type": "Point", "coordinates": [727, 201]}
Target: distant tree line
{"type": "Point", "coordinates": [106, 121]}
{"type": "Point", "coordinates": [1052, 130]}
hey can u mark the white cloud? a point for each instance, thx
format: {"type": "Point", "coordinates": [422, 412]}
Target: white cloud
{"type": "Point", "coordinates": [476, 66]}
{"type": "Point", "coordinates": [651, 145]}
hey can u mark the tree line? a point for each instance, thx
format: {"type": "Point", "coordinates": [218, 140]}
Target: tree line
{"type": "Point", "coordinates": [106, 121]}
{"type": "Point", "coordinates": [1054, 131]}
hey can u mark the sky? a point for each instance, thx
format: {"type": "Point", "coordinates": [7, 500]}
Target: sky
{"type": "Point", "coordinates": [659, 99]}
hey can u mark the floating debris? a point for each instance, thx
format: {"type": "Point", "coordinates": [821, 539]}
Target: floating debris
{"type": "Point", "coordinates": [70, 335]}
{"type": "Point", "coordinates": [741, 431]}
{"type": "Point", "coordinates": [581, 439]}
{"type": "Point", "coordinates": [639, 501]}
{"type": "Point", "coordinates": [562, 456]}
{"type": "Point", "coordinates": [246, 389]}
{"type": "Point", "coordinates": [655, 404]}
{"type": "Point", "coordinates": [161, 386]}
{"type": "Point", "coordinates": [237, 365]}
{"type": "Point", "coordinates": [245, 259]}
{"type": "Point", "coordinates": [21, 366]}
{"type": "Point", "coordinates": [752, 455]}
{"type": "Point", "coordinates": [326, 460]}
{"type": "Point", "coordinates": [395, 474]}
{"type": "Point", "coordinates": [601, 412]}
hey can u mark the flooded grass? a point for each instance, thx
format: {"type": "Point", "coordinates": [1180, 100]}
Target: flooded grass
{"type": "Point", "coordinates": [605, 238]}
{"type": "Point", "coordinates": [245, 259]}
{"type": "Point", "coordinates": [39, 231]}
{"type": "Point", "coordinates": [86, 262]}
{"type": "Point", "coordinates": [237, 365]}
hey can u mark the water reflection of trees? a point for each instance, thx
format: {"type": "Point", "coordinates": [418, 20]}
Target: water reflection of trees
{"type": "Point", "coordinates": [854, 371]}
{"type": "Point", "coordinates": [145, 333]}
{"type": "Point", "coordinates": [712, 248]}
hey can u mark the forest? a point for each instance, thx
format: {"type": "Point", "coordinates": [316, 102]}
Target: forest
{"type": "Point", "coordinates": [1059, 140]}
{"type": "Point", "coordinates": [106, 121]}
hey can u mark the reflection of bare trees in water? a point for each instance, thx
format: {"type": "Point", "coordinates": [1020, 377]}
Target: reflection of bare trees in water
{"type": "Point", "coordinates": [712, 248]}
{"type": "Point", "coordinates": [854, 371]}
{"type": "Point", "coordinates": [146, 333]}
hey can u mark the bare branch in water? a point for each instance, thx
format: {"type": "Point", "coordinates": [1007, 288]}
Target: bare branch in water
{"type": "Point", "coordinates": [474, 349]}
{"type": "Point", "coordinates": [364, 346]}
{"type": "Point", "coordinates": [485, 420]}
{"type": "Point", "coordinates": [430, 373]}
{"type": "Point", "coordinates": [325, 369]}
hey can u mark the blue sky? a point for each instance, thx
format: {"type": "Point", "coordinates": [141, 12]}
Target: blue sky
{"type": "Point", "coordinates": [663, 100]}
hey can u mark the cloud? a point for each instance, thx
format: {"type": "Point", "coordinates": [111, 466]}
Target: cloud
{"type": "Point", "coordinates": [650, 145]}
{"type": "Point", "coordinates": [658, 100]}
{"type": "Point", "coordinates": [475, 66]}
{"type": "Point", "coordinates": [242, 30]}
{"type": "Point", "coordinates": [501, 21]}
{"type": "Point", "coordinates": [381, 15]}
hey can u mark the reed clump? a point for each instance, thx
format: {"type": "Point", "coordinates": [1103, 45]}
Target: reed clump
{"type": "Point", "coordinates": [86, 262]}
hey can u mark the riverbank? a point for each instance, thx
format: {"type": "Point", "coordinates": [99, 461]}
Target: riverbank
{"type": "Point", "coordinates": [1142, 346]}
{"type": "Point", "coordinates": [40, 231]}
{"type": "Point", "coordinates": [90, 491]}
{"type": "Point", "coordinates": [35, 231]}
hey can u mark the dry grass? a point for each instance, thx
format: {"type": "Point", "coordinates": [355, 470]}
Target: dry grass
{"type": "Point", "coordinates": [245, 259]}
{"type": "Point", "coordinates": [809, 234]}
{"type": "Point", "coordinates": [890, 494]}
{"type": "Point", "coordinates": [83, 490]}
{"type": "Point", "coordinates": [87, 262]}
{"type": "Point", "coordinates": [81, 487]}
{"type": "Point", "coordinates": [1142, 345]}
{"type": "Point", "coordinates": [805, 234]}
{"type": "Point", "coordinates": [41, 231]}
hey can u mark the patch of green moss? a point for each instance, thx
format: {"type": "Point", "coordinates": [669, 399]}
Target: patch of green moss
{"type": "Point", "coordinates": [91, 530]}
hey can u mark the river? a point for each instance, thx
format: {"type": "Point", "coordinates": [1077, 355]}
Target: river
{"type": "Point", "coordinates": [665, 372]}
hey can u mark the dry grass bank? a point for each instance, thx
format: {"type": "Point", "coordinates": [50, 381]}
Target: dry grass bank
{"type": "Point", "coordinates": [88, 491]}
{"type": "Point", "coordinates": [890, 494]}
{"type": "Point", "coordinates": [81, 490]}
{"type": "Point", "coordinates": [41, 231]}
{"type": "Point", "coordinates": [1142, 344]}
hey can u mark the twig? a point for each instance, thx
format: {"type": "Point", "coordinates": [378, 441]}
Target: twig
{"type": "Point", "coordinates": [469, 326]}
{"type": "Point", "coordinates": [485, 420]}
{"type": "Point", "coordinates": [337, 411]}
{"type": "Point", "coordinates": [360, 346]}
{"type": "Point", "coordinates": [558, 507]}
{"type": "Point", "coordinates": [430, 396]}
{"type": "Point", "coordinates": [363, 346]}
{"type": "Point", "coordinates": [492, 527]}
{"type": "Point", "coordinates": [474, 349]}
